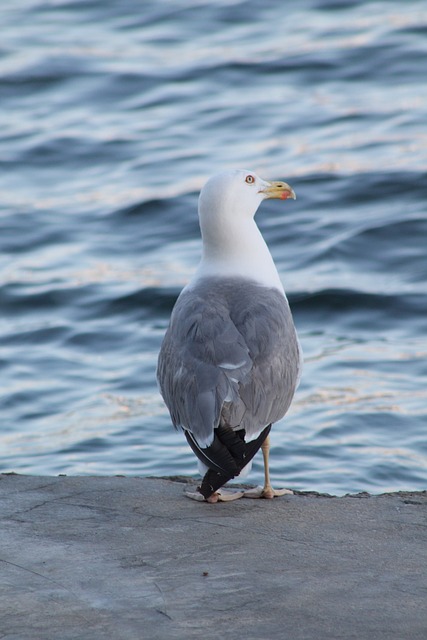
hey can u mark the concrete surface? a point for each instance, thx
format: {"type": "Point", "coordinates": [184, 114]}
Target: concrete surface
{"type": "Point", "coordinates": [132, 558]}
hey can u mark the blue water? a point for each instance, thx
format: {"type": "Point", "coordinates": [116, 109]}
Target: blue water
{"type": "Point", "coordinates": [113, 115]}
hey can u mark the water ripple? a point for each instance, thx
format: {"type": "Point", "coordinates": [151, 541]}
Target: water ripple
{"type": "Point", "coordinates": [114, 116]}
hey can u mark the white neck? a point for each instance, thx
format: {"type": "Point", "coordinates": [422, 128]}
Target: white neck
{"type": "Point", "coordinates": [236, 249]}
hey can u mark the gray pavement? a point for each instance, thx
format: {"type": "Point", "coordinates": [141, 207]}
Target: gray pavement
{"type": "Point", "coordinates": [132, 558]}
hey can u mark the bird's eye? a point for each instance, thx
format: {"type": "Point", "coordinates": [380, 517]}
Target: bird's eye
{"type": "Point", "coordinates": [250, 179]}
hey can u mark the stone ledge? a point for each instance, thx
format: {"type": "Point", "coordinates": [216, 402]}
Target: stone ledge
{"type": "Point", "coordinates": [132, 558]}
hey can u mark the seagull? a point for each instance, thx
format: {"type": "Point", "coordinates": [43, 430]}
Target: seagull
{"type": "Point", "coordinates": [230, 361]}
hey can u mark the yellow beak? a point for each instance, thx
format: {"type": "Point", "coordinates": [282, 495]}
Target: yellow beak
{"type": "Point", "coordinates": [279, 190]}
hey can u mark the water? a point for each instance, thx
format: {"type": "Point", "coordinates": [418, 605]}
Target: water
{"type": "Point", "coordinates": [113, 114]}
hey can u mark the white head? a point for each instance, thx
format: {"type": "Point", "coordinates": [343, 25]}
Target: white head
{"type": "Point", "coordinates": [232, 242]}
{"type": "Point", "coordinates": [238, 193]}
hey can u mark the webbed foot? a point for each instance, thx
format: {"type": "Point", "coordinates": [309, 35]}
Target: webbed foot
{"type": "Point", "coordinates": [222, 495]}
{"type": "Point", "coordinates": [266, 492]}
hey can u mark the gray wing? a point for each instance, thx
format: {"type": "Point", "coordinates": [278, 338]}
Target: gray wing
{"type": "Point", "coordinates": [230, 355]}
